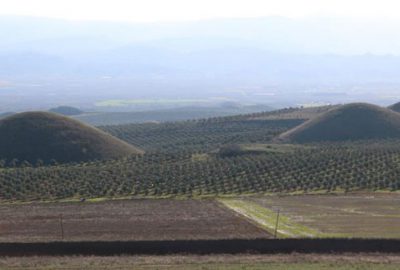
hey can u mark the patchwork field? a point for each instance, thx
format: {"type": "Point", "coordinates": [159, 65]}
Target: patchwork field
{"type": "Point", "coordinates": [370, 215]}
{"type": "Point", "coordinates": [123, 220]}
{"type": "Point", "coordinates": [358, 215]}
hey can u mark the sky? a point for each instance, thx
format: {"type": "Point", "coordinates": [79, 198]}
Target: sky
{"type": "Point", "coordinates": [186, 10]}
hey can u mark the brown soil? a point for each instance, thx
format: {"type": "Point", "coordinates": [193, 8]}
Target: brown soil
{"type": "Point", "coordinates": [123, 220]}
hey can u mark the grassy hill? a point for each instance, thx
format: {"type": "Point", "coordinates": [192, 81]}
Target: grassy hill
{"type": "Point", "coordinates": [41, 135]}
{"type": "Point", "coordinates": [357, 121]}
{"type": "Point", "coordinates": [5, 114]}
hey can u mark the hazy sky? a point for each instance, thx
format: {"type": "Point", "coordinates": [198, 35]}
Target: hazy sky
{"type": "Point", "coordinates": [180, 10]}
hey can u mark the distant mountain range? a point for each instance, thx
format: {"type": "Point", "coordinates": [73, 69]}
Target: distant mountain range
{"type": "Point", "coordinates": [264, 49]}
{"type": "Point", "coordinates": [274, 61]}
{"type": "Point", "coordinates": [332, 35]}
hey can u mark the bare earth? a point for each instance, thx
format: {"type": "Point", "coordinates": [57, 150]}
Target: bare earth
{"type": "Point", "coordinates": [162, 219]}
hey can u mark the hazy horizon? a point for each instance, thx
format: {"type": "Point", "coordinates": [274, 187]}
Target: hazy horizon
{"type": "Point", "coordinates": [290, 53]}
{"type": "Point", "coordinates": [189, 10]}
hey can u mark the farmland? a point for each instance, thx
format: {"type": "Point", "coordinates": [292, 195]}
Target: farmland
{"type": "Point", "coordinates": [189, 160]}
{"type": "Point", "coordinates": [123, 220]}
{"type": "Point", "coordinates": [326, 168]}
{"type": "Point", "coordinates": [195, 135]}
{"type": "Point", "coordinates": [247, 217]}
{"type": "Point", "coordinates": [374, 215]}
{"type": "Point", "coordinates": [208, 186]}
{"type": "Point", "coordinates": [200, 135]}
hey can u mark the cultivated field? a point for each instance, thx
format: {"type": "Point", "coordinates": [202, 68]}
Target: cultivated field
{"type": "Point", "coordinates": [370, 215]}
{"type": "Point", "coordinates": [373, 215]}
{"type": "Point", "coordinates": [123, 220]}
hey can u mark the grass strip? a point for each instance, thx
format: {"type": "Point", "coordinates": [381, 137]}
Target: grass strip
{"type": "Point", "coordinates": [266, 218]}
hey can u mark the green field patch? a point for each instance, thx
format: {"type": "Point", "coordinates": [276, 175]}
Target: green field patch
{"type": "Point", "coordinates": [232, 150]}
{"type": "Point", "coordinates": [364, 215]}
{"type": "Point", "coordinates": [272, 148]}
{"type": "Point", "coordinates": [266, 218]}
{"type": "Point", "coordinates": [200, 157]}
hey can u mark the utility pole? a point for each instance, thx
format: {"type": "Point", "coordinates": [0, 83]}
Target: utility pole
{"type": "Point", "coordinates": [61, 227]}
{"type": "Point", "coordinates": [276, 224]}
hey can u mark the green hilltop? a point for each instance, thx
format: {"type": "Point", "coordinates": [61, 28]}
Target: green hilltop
{"type": "Point", "coordinates": [356, 121]}
{"type": "Point", "coordinates": [31, 136]}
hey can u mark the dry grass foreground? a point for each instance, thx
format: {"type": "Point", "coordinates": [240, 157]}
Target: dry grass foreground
{"type": "Point", "coordinates": [224, 262]}
{"type": "Point", "coordinates": [371, 215]}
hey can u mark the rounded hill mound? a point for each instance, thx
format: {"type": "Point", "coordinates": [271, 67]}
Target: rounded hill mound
{"type": "Point", "coordinates": [45, 136]}
{"type": "Point", "coordinates": [395, 107]}
{"type": "Point", "coordinates": [356, 121]}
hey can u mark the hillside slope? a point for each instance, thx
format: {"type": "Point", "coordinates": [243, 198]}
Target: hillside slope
{"type": "Point", "coordinates": [395, 107]}
{"type": "Point", "coordinates": [355, 121]}
{"type": "Point", "coordinates": [294, 113]}
{"type": "Point", "coordinates": [41, 135]}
